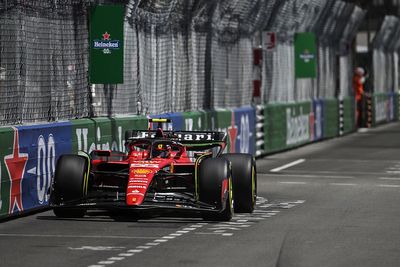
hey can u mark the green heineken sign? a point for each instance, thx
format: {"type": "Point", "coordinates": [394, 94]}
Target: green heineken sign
{"type": "Point", "coordinates": [106, 63]}
{"type": "Point", "coordinates": [305, 55]}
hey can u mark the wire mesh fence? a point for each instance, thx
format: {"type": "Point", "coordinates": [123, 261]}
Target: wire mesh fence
{"type": "Point", "coordinates": [385, 56]}
{"type": "Point", "coordinates": [180, 55]}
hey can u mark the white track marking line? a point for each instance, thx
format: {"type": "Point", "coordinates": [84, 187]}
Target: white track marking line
{"type": "Point", "coordinates": [309, 176]}
{"type": "Point", "coordinates": [126, 254]}
{"type": "Point", "coordinates": [106, 262]}
{"type": "Point", "coordinates": [152, 244]}
{"type": "Point", "coordinates": [288, 165]}
{"type": "Point", "coordinates": [75, 236]}
{"type": "Point", "coordinates": [135, 250]}
{"type": "Point", "coordinates": [160, 240]}
{"type": "Point", "coordinates": [116, 258]}
{"type": "Point", "coordinates": [168, 237]}
{"type": "Point", "coordinates": [143, 247]}
{"type": "Point", "coordinates": [292, 182]}
{"type": "Point", "coordinates": [342, 184]}
{"type": "Point", "coordinates": [175, 234]}
{"type": "Point", "coordinates": [389, 178]}
{"type": "Point", "coordinates": [389, 185]}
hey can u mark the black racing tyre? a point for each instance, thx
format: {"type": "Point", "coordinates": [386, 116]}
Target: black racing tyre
{"type": "Point", "coordinates": [69, 184]}
{"type": "Point", "coordinates": [244, 176]}
{"type": "Point", "coordinates": [212, 174]}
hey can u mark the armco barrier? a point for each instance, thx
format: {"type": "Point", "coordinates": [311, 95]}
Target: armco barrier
{"type": "Point", "coordinates": [10, 179]}
{"type": "Point", "coordinates": [331, 118]}
{"type": "Point", "coordinates": [239, 124]}
{"type": "Point", "coordinates": [317, 119]}
{"type": "Point", "coordinates": [83, 135]}
{"type": "Point", "coordinates": [348, 115]}
{"type": "Point", "coordinates": [195, 121]}
{"type": "Point", "coordinates": [287, 125]}
{"type": "Point", "coordinates": [383, 108]}
{"type": "Point", "coordinates": [244, 120]}
{"type": "Point", "coordinates": [35, 156]}
{"type": "Point", "coordinates": [120, 125]}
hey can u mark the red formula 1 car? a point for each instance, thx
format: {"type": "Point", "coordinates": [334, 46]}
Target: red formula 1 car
{"type": "Point", "coordinates": [181, 171]}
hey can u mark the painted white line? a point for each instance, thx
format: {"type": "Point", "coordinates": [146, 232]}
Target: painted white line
{"type": "Point", "coordinates": [126, 254]}
{"type": "Point", "coordinates": [76, 236]}
{"type": "Point", "coordinates": [96, 266]}
{"type": "Point", "coordinates": [227, 234]}
{"type": "Point", "coordinates": [189, 229]}
{"type": "Point", "coordinates": [152, 244]}
{"type": "Point", "coordinates": [342, 184]}
{"type": "Point", "coordinates": [292, 182]}
{"type": "Point", "coordinates": [135, 250]}
{"type": "Point", "coordinates": [389, 185]}
{"type": "Point", "coordinates": [97, 248]}
{"type": "Point", "coordinates": [116, 258]}
{"type": "Point", "coordinates": [389, 178]}
{"type": "Point", "coordinates": [143, 247]}
{"type": "Point", "coordinates": [169, 237]}
{"type": "Point", "coordinates": [196, 226]}
{"type": "Point", "coordinates": [182, 232]}
{"type": "Point", "coordinates": [309, 176]}
{"type": "Point", "coordinates": [160, 240]}
{"type": "Point", "coordinates": [288, 165]}
{"type": "Point", "coordinates": [298, 202]}
{"type": "Point", "coordinates": [106, 262]}
{"type": "Point", "coordinates": [175, 234]}
{"type": "Point", "coordinates": [219, 231]}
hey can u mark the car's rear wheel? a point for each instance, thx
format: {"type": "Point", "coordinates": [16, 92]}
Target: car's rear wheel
{"type": "Point", "coordinates": [70, 183]}
{"type": "Point", "coordinates": [215, 188]}
{"type": "Point", "coordinates": [244, 176]}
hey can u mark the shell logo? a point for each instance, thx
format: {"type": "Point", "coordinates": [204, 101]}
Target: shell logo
{"type": "Point", "coordinates": [141, 171]}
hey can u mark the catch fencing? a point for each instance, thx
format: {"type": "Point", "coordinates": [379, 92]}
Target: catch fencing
{"type": "Point", "coordinates": [180, 55]}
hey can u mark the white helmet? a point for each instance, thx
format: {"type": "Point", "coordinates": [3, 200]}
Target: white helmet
{"type": "Point", "coordinates": [360, 71]}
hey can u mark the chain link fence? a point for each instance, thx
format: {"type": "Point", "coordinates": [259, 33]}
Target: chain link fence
{"type": "Point", "coordinates": [335, 24]}
{"type": "Point", "coordinates": [180, 55]}
{"type": "Point", "coordinates": [385, 56]}
{"type": "Point", "coordinates": [43, 61]}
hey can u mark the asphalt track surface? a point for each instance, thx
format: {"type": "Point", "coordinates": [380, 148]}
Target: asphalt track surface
{"type": "Point", "coordinates": [333, 203]}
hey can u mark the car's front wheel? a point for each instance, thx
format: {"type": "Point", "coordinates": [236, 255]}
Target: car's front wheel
{"type": "Point", "coordinates": [215, 188]}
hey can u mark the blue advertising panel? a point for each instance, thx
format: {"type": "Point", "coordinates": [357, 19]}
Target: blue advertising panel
{"type": "Point", "coordinates": [41, 146]}
{"type": "Point", "coordinates": [318, 110]}
{"type": "Point", "coordinates": [244, 119]}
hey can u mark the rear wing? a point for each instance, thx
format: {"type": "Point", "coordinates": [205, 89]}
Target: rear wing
{"type": "Point", "coordinates": [184, 137]}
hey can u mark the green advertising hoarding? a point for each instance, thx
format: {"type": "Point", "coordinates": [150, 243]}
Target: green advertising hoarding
{"type": "Point", "coordinates": [106, 42]}
{"type": "Point", "coordinates": [305, 55]}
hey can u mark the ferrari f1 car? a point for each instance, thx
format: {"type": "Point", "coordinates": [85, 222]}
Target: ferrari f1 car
{"type": "Point", "coordinates": [161, 170]}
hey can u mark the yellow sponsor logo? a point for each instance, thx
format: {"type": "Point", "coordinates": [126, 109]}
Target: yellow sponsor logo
{"type": "Point", "coordinates": [141, 171]}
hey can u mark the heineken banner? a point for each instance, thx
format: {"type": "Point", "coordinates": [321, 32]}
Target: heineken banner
{"type": "Point", "coordinates": [106, 44]}
{"type": "Point", "coordinates": [305, 55]}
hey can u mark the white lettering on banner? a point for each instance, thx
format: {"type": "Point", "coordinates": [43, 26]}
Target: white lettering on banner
{"type": "Point", "coordinates": [117, 145]}
{"type": "Point", "coordinates": [244, 134]}
{"type": "Point", "coordinates": [189, 124]}
{"type": "Point", "coordinates": [380, 110]}
{"type": "Point", "coordinates": [82, 138]}
{"type": "Point", "coordinates": [318, 121]}
{"type": "Point", "coordinates": [45, 166]}
{"type": "Point", "coordinates": [297, 127]}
